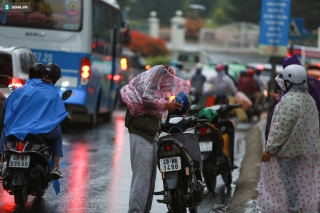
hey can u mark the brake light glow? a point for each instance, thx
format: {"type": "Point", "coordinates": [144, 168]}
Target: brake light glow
{"type": "Point", "coordinates": [85, 68]}
{"type": "Point", "coordinates": [260, 67]}
{"type": "Point", "coordinates": [124, 64]}
{"type": "Point", "coordinates": [17, 82]}
{"type": "Point", "coordinates": [203, 131]}
{"type": "Point", "coordinates": [116, 78]}
{"type": "Point", "coordinates": [167, 147]}
{"type": "Point", "coordinates": [20, 146]}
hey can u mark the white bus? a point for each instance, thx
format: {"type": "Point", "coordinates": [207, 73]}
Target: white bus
{"type": "Point", "coordinates": [83, 37]}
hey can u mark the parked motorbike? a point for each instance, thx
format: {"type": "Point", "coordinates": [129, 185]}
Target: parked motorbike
{"type": "Point", "coordinates": [180, 164]}
{"type": "Point", "coordinates": [216, 140]}
{"type": "Point", "coordinates": [26, 169]}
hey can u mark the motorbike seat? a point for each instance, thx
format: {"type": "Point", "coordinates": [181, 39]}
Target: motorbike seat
{"type": "Point", "coordinates": [32, 137]}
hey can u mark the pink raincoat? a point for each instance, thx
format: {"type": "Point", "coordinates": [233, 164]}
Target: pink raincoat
{"type": "Point", "coordinates": [147, 93]}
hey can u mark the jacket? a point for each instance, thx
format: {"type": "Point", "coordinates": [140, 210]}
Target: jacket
{"type": "Point", "coordinates": [146, 126]}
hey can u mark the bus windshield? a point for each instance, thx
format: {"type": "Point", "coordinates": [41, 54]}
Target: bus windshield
{"type": "Point", "coordinates": [46, 14]}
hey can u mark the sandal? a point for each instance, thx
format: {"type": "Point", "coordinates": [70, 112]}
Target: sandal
{"type": "Point", "coordinates": [56, 172]}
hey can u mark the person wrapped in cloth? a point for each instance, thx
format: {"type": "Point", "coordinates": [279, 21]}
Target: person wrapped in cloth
{"type": "Point", "coordinates": [146, 97]}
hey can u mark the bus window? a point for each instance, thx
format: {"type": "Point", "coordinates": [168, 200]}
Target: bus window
{"type": "Point", "coordinates": [48, 14]}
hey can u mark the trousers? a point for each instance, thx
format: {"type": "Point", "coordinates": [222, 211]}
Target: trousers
{"type": "Point", "coordinates": [143, 156]}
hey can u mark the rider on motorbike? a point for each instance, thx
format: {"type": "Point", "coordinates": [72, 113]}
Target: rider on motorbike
{"type": "Point", "coordinates": [223, 85]}
{"type": "Point", "coordinates": [37, 108]}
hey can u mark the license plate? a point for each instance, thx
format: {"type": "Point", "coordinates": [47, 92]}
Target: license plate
{"type": "Point", "coordinates": [170, 164]}
{"type": "Point", "coordinates": [205, 146]}
{"type": "Point", "coordinates": [19, 161]}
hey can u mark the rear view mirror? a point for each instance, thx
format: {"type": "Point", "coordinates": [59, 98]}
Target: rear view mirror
{"type": "Point", "coordinates": [66, 94]}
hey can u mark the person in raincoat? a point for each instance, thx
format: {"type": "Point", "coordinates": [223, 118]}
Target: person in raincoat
{"type": "Point", "coordinates": [313, 89]}
{"type": "Point", "coordinates": [37, 108]}
{"type": "Point", "coordinates": [146, 97]}
{"type": "Point", "coordinates": [290, 172]}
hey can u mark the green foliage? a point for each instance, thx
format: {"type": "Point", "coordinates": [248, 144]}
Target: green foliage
{"type": "Point", "coordinates": [219, 17]}
{"type": "Point", "coordinates": [152, 61]}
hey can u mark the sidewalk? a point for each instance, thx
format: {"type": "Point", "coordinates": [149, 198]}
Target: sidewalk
{"type": "Point", "coordinates": [245, 198]}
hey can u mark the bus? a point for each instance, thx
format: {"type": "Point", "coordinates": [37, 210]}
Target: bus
{"type": "Point", "coordinates": [84, 37]}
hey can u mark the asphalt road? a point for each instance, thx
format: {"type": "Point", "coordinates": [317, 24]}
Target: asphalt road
{"type": "Point", "coordinates": [97, 175]}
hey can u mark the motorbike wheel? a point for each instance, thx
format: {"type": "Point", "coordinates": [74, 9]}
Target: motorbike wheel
{"type": "Point", "coordinates": [210, 175]}
{"type": "Point", "coordinates": [227, 177]}
{"type": "Point", "coordinates": [177, 202]}
{"type": "Point", "coordinates": [20, 195]}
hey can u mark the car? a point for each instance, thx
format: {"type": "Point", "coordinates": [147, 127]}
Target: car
{"type": "Point", "coordinates": [14, 69]}
{"type": "Point", "coordinates": [14, 66]}
{"type": "Point", "coordinates": [190, 57]}
{"type": "Point", "coordinates": [131, 64]}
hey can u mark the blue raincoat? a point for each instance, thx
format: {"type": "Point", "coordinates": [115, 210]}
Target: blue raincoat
{"type": "Point", "coordinates": [33, 102]}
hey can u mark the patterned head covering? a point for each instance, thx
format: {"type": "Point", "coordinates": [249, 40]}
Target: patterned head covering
{"type": "Point", "coordinates": [147, 93]}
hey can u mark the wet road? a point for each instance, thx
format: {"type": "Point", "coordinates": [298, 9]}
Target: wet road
{"type": "Point", "coordinates": [97, 175]}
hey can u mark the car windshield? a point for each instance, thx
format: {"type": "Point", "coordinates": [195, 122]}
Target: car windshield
{"type": "Point", "coordinates": [5, 64]}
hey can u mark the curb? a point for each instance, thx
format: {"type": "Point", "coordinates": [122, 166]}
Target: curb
{"type": "Point", "coordinates": [246, 185]}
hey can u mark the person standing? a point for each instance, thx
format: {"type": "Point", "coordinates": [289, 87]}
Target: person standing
{"type": "Point", "coordinates": [290, 172]}
{"type": "Point", "coordinates": [146, 97]}
{"type": "Point", "coordinates": [197, 81]}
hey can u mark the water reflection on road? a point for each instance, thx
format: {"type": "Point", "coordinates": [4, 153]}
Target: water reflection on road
{"type": "Point", "coordinates": [97, 175]}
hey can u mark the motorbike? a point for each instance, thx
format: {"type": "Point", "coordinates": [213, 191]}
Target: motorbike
{"type": "Point", "coordinates": [26, 167]}
{"type": "Point", "coordinates": [180, 164]}
{"type": "Point", "coordinates": [216, 141]}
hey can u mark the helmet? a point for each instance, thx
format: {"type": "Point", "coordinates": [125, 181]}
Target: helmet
{"type": "Point", "coordinates": [208, 114]}
{"type": "Point", "coordinates": [294, 73]}
{"type": "Point", "coordinates": [185, 100]}
{"type": "Point", "coordinates": [220, 67]}
{"type": "Point", "coordinates": [52, 71]}
{"type": "Point", "coordinates": [35, 70]}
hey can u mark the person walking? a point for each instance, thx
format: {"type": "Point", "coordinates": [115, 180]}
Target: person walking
{"type": "Point", "coordinates": [290, 172]}
{"type": "Point", "coordinates": [146, 97]}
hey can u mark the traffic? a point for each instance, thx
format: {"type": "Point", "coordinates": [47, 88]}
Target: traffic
{"type": "Point", "coordinates": [99, 113]}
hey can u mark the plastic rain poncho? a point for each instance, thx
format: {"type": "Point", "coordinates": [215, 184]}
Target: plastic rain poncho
{"type": "Point", "coordinates": [290, 181]}
{"type": "Point", "coordinates": [147, 93]}
{"type": "Point", "coordinates": [34, 108]}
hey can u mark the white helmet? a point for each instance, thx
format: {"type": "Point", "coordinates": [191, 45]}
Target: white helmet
{"type": "Point", "coordinates": [294, 73]}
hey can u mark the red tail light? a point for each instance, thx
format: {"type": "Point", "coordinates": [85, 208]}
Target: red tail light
{"type": "Point", "coordinates": [260, 67]}
{"type": "Point", "coordinates": [17, 82]}
{"type": "Point", "coordinates": [116, 78]}
{"type": "Point", "coordinates": [203, 131]}
{"type": "Point", "coordinates": [85, 68]}
{"type": "Point", "coordinates": [167, 147]}
{"type": "Point", "coordinates": [124, 64]}
{"type": "Point", "coordinates": [20, 146]}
